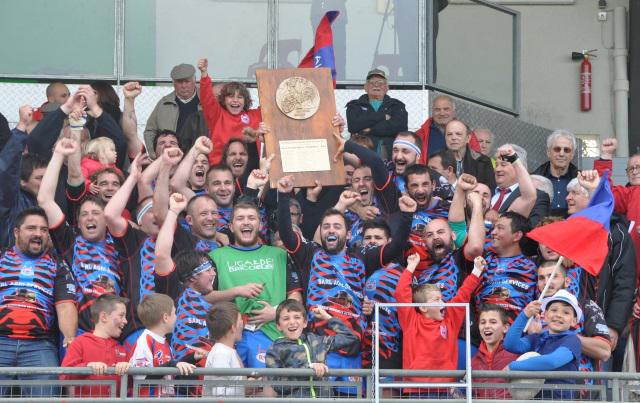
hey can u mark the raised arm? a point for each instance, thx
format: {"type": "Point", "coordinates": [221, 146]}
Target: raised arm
{"type": "Point", "coordinates": [111, 128]}
{"type": "Point", "coordinates": [129, 120]}
{"type": "Point", "coordinates": [210, 106]}
{"type": "Point", "coordinates": [10, 157]}
{"type": "Point", "coordinates": [47, 192]}
{"type": "Point", "coordinates": [475, 234]}
{"type": "Point", "coordinates": [289, 238]}
{"type": "Point", "coordinates": [524, 204]}
{"type": "Point", "coordinates": [169, 159]}
{"type": "Point", "coordinates": [117, 224]}
{"type": "Point", "coordinates": [180, 179]}
{"type": "Point", "coordinates": [164, 242]}
{"type": "Point", "coordinates": [513, 342]}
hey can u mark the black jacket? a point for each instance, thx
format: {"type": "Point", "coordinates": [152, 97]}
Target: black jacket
{"type": "Point", "coordinates": [361, 115]}
{"type": "Point", "coordinates": [480, 166]}
{"type": "Point", "coordinates": [614, 289]}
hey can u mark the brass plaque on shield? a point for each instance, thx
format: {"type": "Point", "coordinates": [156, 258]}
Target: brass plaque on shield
{"type": "Point", "coordinates": [298, 98]}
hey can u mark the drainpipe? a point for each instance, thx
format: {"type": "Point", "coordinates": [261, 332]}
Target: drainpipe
{"type": "Point", "coordinates": [620, 81]}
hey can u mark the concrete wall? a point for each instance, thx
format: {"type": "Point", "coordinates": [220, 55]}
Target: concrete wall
{"type": "Point", "coordinates": [549, 77]}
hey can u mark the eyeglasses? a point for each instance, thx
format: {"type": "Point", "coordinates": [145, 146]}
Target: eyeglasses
{"type": "Point", "coordinates": [567, 150]}
{"type": "Point", "coordinates": [634, 168]}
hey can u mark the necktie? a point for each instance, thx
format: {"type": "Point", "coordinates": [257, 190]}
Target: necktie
{"type": "Point", "coordinates": [503, 193]}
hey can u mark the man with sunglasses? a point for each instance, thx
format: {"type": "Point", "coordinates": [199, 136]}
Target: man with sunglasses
{"type": "Point", "coordinates": [561, 148]}
{"type": "Point", "coordinates": [377, 115]}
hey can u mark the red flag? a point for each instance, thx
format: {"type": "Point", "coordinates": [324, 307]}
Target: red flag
{"type": "Point", "coordinates": [473, 142]}
{"type": "Point", "coordinates": [321, 54]}
{"type": "Point", "coordinates": [583, 237]}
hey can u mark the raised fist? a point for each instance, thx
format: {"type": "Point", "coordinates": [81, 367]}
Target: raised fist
{"type": "Point", "coordinates": [608, 148]}
{"type": "Point", "coordinates": [203, 65]}
{"type": "Point", "coordinates": [131, 89]}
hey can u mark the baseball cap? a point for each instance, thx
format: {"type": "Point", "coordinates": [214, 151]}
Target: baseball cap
{"type": "Point", "coordinates": [566, 297]}
{"type": "Point", "coordinates": [183, 71]}
{"type": "Point", "coordinates": [376, 72]}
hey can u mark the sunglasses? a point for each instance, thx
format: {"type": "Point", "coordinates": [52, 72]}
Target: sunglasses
{"type": "Point", "coordinates": [635, 168]}
{"type": "Point", "coordinates": [567, 150]}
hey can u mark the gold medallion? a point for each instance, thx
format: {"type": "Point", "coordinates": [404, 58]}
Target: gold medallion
{"type": "Point", "coordinates": [298, 98]}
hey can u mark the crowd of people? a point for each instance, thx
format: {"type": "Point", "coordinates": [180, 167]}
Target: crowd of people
{"type": "Point", "coordinates": [174, 250]}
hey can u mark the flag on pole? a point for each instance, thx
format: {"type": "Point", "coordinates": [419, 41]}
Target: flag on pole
{"type": "Point", "coordinates": [583, 237]}
{"type": "Point", "coordinates": [321, 54]}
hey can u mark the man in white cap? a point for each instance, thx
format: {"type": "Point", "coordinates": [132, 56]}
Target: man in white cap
{"type": "Point", "coordinates": [172, 111]}
{"type": "Point", "coordinates": [377, 115]}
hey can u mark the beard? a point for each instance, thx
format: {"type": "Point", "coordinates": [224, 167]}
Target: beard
{"type": "Point", "coordinates": [339, 245]}
{"type": "Point", "coordinates": [440, 251]}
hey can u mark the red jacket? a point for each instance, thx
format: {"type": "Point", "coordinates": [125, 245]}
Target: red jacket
{"type": "Point", "coordinates": [627, 202]}
{"type": "Point", "coordinates": [491, 361]}
{"type": "Point", "coordinates": [88, 348]}
{"type": "Point", "coordinates": [223, 126]}
{"type": "Point", "coordinates": [428, 343]}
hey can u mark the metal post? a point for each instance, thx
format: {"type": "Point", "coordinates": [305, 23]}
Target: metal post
{"type": "Point", "coordinates": [467, 343]}
{"type": "Point", "coordinates": [123, 386]}
{"type": "Point", "coordinates": [376, 354]}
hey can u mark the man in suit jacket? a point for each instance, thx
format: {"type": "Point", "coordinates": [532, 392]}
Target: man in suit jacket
{"type": "Point", "coordinates": [457, 136]}
{"type": "Point", "coordinates": [515, 190]}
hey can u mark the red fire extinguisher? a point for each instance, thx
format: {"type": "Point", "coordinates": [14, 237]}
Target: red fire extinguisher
{"type": "Point", "coordinates": [585, 78]}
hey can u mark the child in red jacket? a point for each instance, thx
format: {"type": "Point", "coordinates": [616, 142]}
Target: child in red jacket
{"type": "Point", "coordinates": [430, 334]}
{"type": "Point", "coordinates": [493, 324]}
{"type": "Point", "coordinates": [99, 349]}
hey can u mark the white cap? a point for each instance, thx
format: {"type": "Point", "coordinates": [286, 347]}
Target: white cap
{"type": "Point", "coordinates": [566, 297]}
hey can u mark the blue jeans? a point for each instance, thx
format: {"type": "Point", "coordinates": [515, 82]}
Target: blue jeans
{"type": "Point", "coordinates": [29, 353]}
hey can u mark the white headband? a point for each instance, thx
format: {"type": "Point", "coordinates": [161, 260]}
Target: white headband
{"type": "Point", "coordinates": [408, 144]}
{"type": "Point", "coordinates": [143, 211]}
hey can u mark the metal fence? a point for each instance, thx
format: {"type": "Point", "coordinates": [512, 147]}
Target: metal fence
{"type": "Point", "coordinates": [520, 386]}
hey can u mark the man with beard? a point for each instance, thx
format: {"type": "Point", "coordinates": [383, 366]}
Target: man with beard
{"type": "Point", "coordinates": [450, 265]}
{"type": "Point", "coordinates": [34, 287]}
{"type": "Point", "coordinates": [136, 248]}
{"type": "Point", "coordinates": [420, 186]}
{"type": "Point", "coordinates": [333, 275]}
{"type": "Point", "coordinates": [87, 249]}
{"type": "Point", "coordinates": [190, 176]}
{"type": "Point", "coordinates": [263, 275]}
{"type": "Point", "coordinates": [405, 153]}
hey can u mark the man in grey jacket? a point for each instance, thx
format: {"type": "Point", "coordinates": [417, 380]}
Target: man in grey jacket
{"type": "Point", "coordinates": [172, 111]}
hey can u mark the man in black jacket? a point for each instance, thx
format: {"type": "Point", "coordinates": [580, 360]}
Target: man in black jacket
{"type": "Point", "coordinates": [614, 288]}
{"type": "Point", "coordinates": [377, 115]}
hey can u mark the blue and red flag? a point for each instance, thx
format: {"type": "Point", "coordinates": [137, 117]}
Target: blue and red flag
{"type": "Point", "coordinates": [583, 237]}
{"type": "Point", "coordinates": [321, 54]}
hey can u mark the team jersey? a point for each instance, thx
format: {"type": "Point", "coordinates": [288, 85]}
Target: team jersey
{"type": "Point", "coordinates": [380, 287]}
{"type": "Point", "coordinates": [191, 327]}
{"type": "Point", "coordinates": [29, 290]}
{"type": "Point", "coordinates": [224, 218]}
{"type": "Point", "coordinates": [150, 351]}
{"type": "Point", "coordinates": [137, 254]}
{"type": "Point", "coordinates": [509, 282]}
{"type": "Point", "coordinates": [447, 274]}
{"type": "Point", "coordinates": [183, 239]}
{"type": "Point", "coordinates": [418, 227]}
{"type": "Point", "coordinates": [94, 266]}
{"type": "Point", "coordinates": [574, 274]}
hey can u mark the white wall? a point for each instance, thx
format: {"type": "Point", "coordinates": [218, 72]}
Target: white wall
{"type": "Point", "coordinates": [549, 77]}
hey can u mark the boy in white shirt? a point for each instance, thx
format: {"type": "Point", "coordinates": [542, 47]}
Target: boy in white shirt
{"type": "Point", "coordinates": [225, 328]}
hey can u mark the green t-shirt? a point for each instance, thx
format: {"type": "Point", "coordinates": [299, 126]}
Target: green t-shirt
{"type": "Point", "coordinates": [265, 265]}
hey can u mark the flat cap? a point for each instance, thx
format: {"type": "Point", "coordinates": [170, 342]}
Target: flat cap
{"type": "Point", "coordinates": [183, 71]}
{"type": "Point", "coordinates": [377, 72]}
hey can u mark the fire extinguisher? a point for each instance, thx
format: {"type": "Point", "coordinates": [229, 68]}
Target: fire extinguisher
{"type": "Point", "coordinates": [585, 77]}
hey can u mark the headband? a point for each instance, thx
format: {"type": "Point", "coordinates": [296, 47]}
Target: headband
{"type": "Point", "coordinates": [408, 144]}
{"type": "Point", "coordinates": [143, 211]}
{"type": "Point", "coordinates": [203, 267]}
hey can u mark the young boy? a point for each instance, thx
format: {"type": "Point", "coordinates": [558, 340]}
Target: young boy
{"type": "Point", "coordinates": [298, 349]}
{"type": "Point", "coordinates": [558, 346]}
{"type": "Point", "coordinates": [158, 315]}
{"type": "Point", "coordinates": [225, 327]}
{"type": "Point", "coordinates": [493, 324]}
{"type": "Point", "coordinates": [432, 332]}
{"type": "Point", "coordinates": [99, 349]}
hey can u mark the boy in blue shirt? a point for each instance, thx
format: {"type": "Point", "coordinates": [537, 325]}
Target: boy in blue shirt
{"type": "Point", "coordinates": [558, 346]}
